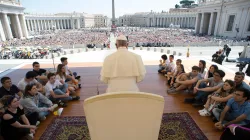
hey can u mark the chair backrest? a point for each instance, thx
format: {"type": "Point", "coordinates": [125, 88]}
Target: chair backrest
{"type": "Point", "coordinates": [124, 116]}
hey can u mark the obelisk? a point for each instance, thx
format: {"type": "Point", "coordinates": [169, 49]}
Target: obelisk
{"type": "Point", "coordinates": [113, 26]}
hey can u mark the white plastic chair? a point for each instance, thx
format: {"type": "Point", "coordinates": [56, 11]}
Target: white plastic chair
{"type": "Point", "coordinates": [124, 116]}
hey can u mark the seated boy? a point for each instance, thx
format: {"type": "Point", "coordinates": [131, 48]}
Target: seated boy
{"type": "Point", "coordinates": [186, 80]}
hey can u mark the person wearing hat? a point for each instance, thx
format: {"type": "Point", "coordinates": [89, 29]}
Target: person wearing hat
{"type": "Point", "coordinates": [123, 69]}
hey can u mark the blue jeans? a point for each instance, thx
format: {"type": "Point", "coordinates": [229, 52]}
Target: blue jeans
{"type": "Point", "coordinates": [61, 91]}
{"type": "Point", "coordinates": [228, 117]}
{"type": "Point", "coordinates": [44, 113]}
{"type": "Point", "coordinates": [202, 95]}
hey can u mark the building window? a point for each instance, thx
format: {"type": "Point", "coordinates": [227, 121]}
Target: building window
{"type": "Point", "coordinates": [230, 23]}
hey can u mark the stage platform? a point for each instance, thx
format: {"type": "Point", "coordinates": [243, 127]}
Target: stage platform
{"type": "Point", "coordinates": [153, 83]}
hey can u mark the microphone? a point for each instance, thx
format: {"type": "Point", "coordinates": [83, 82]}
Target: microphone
{"type": "Point", "coordinates": [97, 86]}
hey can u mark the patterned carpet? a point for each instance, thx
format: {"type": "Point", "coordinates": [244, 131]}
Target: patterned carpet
{"type": "Point", "coordinates": [175, 126]}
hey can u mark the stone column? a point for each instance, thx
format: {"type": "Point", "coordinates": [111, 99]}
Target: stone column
{"type": "Point", "coordinates": [202, 23]}
{"type": "Point", "coordinates": [31, 25]}
{"type": "Point", "coordinates": [23, 26]}
{"type": "Point", "coordinates": [35, 23]}
{"type": "Point", "coordinates": [197, 29]}
{"type": "Point", "coordinates": [189, 22]}
{"type": "Point", "coordinates": [7, 26]}
{"type": "Point", "coordinates": [41, 23]}
{"type": "Point", "coordinates": [211, 24]}
{"type": "Point", "coordinates": [217, 22]}
{"type": "Point", "coordinates": [38, 25]}
{"type": "Point", "coordinates": [73, 24]}
{"type": "Point", "coordinates": [49, 24]}
{"type": "Point", "coordinates": [68, 23]}
{"type": "Point", "coordinates": [28, 24]}
{"type": "Point", "coordinates": [78, 24]}
{"type": "Point", "coordinates": [62, 26]}
{"type": "Point", "coordinates": [57, 24]}
{"type": "Point", "coordinates": [3, 38]}
{"type": "Point", "coordinates": [18, 25]}
{"type": "Point", "coordinates": [45, 24]}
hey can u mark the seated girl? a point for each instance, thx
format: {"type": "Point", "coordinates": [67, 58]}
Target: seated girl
{"type": "Point", "coordinates": [15, 125]}
{"type": "Point", "coordinates": [218, 98]}
{"type": "Point", "coordinates": [33, 101]}
{"type": "Point", "coordinates": [211, 71]}
{"type": "Point", "coordinates": [163, 63]}
{"type": "Point", "coordinates": [179, 71]}
{"type": "Point", "coordinates": [61, 76]}
{"type": "Point", "coordinates": [203, 69]}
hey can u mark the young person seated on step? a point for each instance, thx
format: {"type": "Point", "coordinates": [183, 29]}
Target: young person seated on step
{"type": "Point", "coordinates": [170, 74]}
{"type": "Point", "coordinates": [170, 66]}
{"type": "Point", "coordinates": [61, 76]}
{"type": "Point", "coordinates": [205, 87]}
{"type": "Point", "coordinates": [30, 79]}
{"type": "Point", "coordinates": [33, 101]}
{"type": "Point", "coordinates": [237, 110]}
{"type": "Point", "coordinates": [163, 63]}
{"type": "Point", "coordinates": [186, 80]}
{"type": "Point", "coordinates": [180, 70]}
{"type": "Point", "coordinates": [69, 73]}
{"type": "Point", "coordinates": [219, 98]}
{"type": "Point", "coordinates": [15, 125]}
{"type": "Point", "coordinates": [41, 73]}
{"type": "Point", "coordinates": [211, 71]}
{"type": "Point", "coordinates": [239, 80]}
{"type": "Point", "coordinates": [9, 89]}
{"type": "Point", "coordinates": [203, 69]}
{"type": "Point", "coordinates": [58, 92]}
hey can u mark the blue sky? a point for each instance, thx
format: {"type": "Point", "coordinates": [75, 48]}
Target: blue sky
{"type": "Point", "coordinates": [97, 6]}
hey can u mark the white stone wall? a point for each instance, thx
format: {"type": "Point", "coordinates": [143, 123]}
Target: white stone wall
{"type": "Point", "coordinates": [213, 18]}
{"type": "Point", "coordinates": [100, 20]}
{"type": "Point", "coordinates": [184, 19]}
{"type": "Point", "coordinates": [89, 20]}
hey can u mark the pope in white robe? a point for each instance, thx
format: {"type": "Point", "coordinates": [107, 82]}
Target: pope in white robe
{"type": "Point", "coordinates": [123, 69]}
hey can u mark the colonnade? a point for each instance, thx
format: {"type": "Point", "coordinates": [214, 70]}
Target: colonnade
{"type": "Point", "coordinates": [207, 23]}
{"type": "Point", "coordinates": [184, 22]}
{"type": "Point", "coordinates": [12, 26]}
{"type": "Point", "coordinates": [50, 24]}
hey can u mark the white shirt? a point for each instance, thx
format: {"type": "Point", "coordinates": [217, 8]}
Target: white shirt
{"type": "Point", "coordinates": [205, 73]}
{"type": "Point", "coordinates": [171, 66]}
{"type": "Point", "coordinates": [58, 77]}
{"type": "Point", "coordinates": [49, 87]}
{"type": "Point", "coordinates": [22, 84]}
{"type": "Point", "coordinates": [66, 69]}
{"type": "Point", "coordinates": [122, 70]}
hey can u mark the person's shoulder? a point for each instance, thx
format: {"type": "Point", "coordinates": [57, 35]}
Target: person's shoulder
{"type": "Point", "coordinates": [47, 84]}
{"type": "Point", "coordinates": [13, 86]}
{"type": "Point", "coordinates": [230, 100]}
{"type": "Point", "coordinates": [21, 81]}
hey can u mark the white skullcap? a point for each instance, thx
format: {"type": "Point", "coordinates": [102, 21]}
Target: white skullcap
{"type": "Point", "coordinates": [122, 37]}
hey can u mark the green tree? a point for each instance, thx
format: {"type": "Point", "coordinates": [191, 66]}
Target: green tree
{"type": "Point", "coordinates": [186, 3]}
{"type": "Point", "coordinates": [177, 6]}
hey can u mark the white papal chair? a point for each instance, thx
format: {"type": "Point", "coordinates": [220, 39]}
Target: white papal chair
{"type": "Point", "coordinates": [124, 116]}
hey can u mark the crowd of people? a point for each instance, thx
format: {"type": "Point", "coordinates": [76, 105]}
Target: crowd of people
{"type": "Point", "coordinates": [24, 105]}
{"type": "Point", "coordinates": [34, 97]}
{"type": "Point", "coordinates": [173, 37]}
{"type": "Point", "coordinates": [226, 101]}
{"type": "Point", "coordinates": [62, 38]}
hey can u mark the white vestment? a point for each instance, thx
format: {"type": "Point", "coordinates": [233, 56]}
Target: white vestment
{"type": "Point", "coordinates": [122, 70]}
